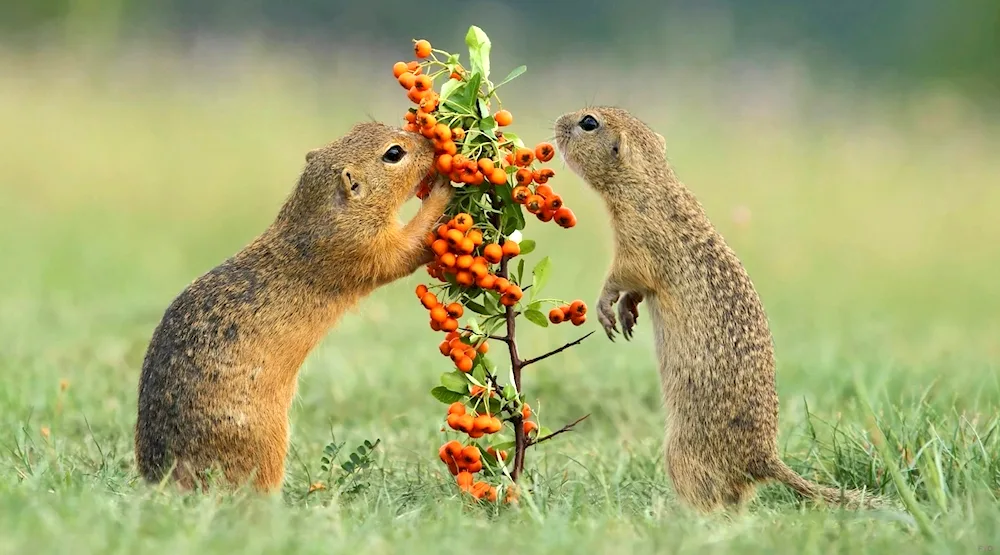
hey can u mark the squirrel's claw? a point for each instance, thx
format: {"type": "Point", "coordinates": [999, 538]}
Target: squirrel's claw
{"type": "Point", "coordinates": [628, 312]}
{"type": "Point", "coordinates": [606, 314]}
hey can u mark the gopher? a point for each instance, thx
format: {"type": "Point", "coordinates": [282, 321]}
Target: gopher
{"type": "Point", "coordinates": [221, 369]}
{"type": "Point", "coordinates": [713, 341]}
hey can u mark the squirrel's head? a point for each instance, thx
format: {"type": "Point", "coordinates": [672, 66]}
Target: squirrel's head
{"type": "Point", "coordinates": [607, 145]}
{"type": "Point", "coordinates": [365, 175]}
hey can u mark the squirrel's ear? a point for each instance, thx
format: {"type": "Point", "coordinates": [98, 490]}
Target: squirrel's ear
{"type": "Point", "coordinates": [620, 148]}
{"type": "Point", "coordinates": [351, 183]}
{"type": "Point", "coordinates": [663, 142]}
{"type": "Point", "coordinates": [312, 154]}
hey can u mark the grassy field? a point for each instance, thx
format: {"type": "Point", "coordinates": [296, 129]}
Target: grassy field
{"type": "Point", "coordinates": [872, 239]}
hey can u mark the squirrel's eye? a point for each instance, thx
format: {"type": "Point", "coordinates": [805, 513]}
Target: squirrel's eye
{"type": "Point", "coordinates": [394, 154]}
{"type": "Point", "coordinates": [589, 123]}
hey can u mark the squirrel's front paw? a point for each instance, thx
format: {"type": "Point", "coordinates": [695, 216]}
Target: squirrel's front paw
{"type": "Point", "coordinates": [606, 314]}
{"type": "Point", "coordinates": [628, 312]}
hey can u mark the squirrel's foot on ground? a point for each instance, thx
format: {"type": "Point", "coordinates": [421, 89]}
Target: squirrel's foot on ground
{"type": "Point", "coordinates": [628, 312]}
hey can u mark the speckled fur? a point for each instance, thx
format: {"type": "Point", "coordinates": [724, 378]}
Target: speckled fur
{"type": "Point", "coordinates": [221, 369]}
{"type": "Point", "coordinates": [713, 342]}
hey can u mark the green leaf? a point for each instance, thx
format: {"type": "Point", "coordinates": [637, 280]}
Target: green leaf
{"type": "Point", "coordinates": [540, 275]}
{"type": "Point", "coordinates": [527, 246]}
{"type": "Point", "coordinates": [534, 305]}
{"type": "Point", "coordinates": [479, 372]}
{"type": "Point", "coordinates": [491, 299]}
{"type": "Point", "coordinates": [369, 445]}
{"type": "Point", "coordinates": [494, 406]}
{"type": "Point", "coordinates": [325, 460]}
{"type": "Point", "coordinates": [449, 88]}
{"type": "Point", "coordinates": [474, 326]}
{"type": "Point", "coordinates": [446, 396]}
{"type": "Point", "coordinates": [504, 446]}
{"type": "Point", "coordinates": [543, 431]}
{"type": "Point", "coordinates": [514, 138]}
{"type": "Point", "coordinates": [477, 308]}
{"type": "Point", "coordinates": [479, 50]}
{"type": "Point", "coordinates": [520, 268]}
{"type": "Point", "coordinates": [509, 393]}
{"type": "Point", "coordinates": [348, 466]}
{"type": "Point", "coordinates": [455, 382]}
{"type": "Point", "coordinates": [488, 123]}
{"type": "Point", "coordinates": [517, 71]}
{"type": "Point", "coordinates": [537, 318]}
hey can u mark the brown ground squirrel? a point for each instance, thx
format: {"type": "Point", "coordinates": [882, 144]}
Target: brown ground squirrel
{"type": "Point", "coordinates": [713, 341]}
{"type": "Point", "coordinates": [221, 368]}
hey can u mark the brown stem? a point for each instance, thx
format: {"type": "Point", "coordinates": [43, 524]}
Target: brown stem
{"type": "Point", "coordinates": [564, 429]}
{"type": "Point", "coordinates": [554, 352]}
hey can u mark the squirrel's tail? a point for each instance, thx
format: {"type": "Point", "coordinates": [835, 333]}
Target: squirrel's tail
{"type": "Point", "coordinates": [850, 499]}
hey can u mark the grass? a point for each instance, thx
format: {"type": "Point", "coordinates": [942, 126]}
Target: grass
{"type": "Point", "coordinates": [872, 240]}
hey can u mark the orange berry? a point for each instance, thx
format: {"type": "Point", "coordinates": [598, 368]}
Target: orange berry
{"type": "Point", "coordinates": [483, 348]}
{"type": "Point", "coordinates": [523, 176]}
{"type": "Point", "coordinates": [482, 423]}
{"type": "Point", "coordinates": [456, 75]}
{"type": "Point", "coordinates": [436, 326]}
{"type": "Point", "coordinates": [445, 348]}
{"type": "Point", "coordinates": [486, 282]}
{"type": "Point", "coordinates": [410, 117]}
{"type": "Point", "coordinates": [412, 128]}
{"type": "Point", "coordinates": [534, 204]}
{"type": "Point", "coordinates": [526, 411]}
{"type": "Point", "coordinates": [423, 83]}
{"type": "Point", "coordinates": [529, 427]}
{"type": "Point", "coordinates": [523, 157]}
{"type": "Point", "coordinates": [555, 316]}
{"type": "Point", "coordinates": [422, 48]}
{"type": "Point", "coordinates": [478, 270]}
{"type": "Point", "coordinates": [440, 247]}
{"type": "Point", "coordinates": [543, 191]}
{"type": "Point", "coordinates": [578, 320]}
{"type": "Point", "coordinates": [510, 248]}
{"type": "Point", "coordinates": [566, 313]}
{"type": "Point", "coordinates": [493, 253]}
{"type": "Point", "coordinates": [544, 152]}
{"type": "Point", "coordinates": [455, 310]}
{"type": "Point", "coordinates": [464, 262]}
{"type": "Point", "coordinates": [406, 80]}
{"type": "Point", "coordinates": [427, 131]}
{"type": "Point", "coordinates": [497, 176]}
{"type": "Point", "coordinates": [476, 433]}
{"type": "Point", "coordinates": [442, 133]}
{"type": "Point", "coordinates": [398, 69]}
{"type": "Point", "coordinates": [442, 231]}
{"type": "Point", "coordinates": [544, 215]}
{"type": "Point", "coordinates": [495, 426]}
{"type": "Point", "coordinates": [425, 120]}
{"type": "Point", "coordinates": [463, 222]}
{"type": "Point", "coordinates": [421, 291]}
{"type": "Point", "coordinates": [415, 95]}
{"type": "Point", "coordinates": [465, 278]}
{"type": "Point", "coordinates": [520, 193]}
{"type": "Point", "coordinates": [476, 236]}
{"type": "Point", "coordinates": [450, 324]}
{"type": "Point", "coordinates": [464, 364]}
{"type": "Point", "coordinates": [467, 246]}
{"type": "Point", "coordinates": [503, 118]}
{"type": "Point", "coordinates": [443, 163]}
{"type": "Point", "coordinates": [475, 467]}
{"type": "Point", "coordinates": [439, 314]}
{"type": "Point", "coordinates": [448, 260]}
{"type": "Point", "coordinates": [456, 408]}
{"type": "Point", "coordinates": [458, 133]}
{"type": "Point", "coordinates": [553, 203]}
{"type": "Point", "coordinates": [491, 495]}
{"type": "Point", "coordinates": [430, 103]}
{"type": "Point", "coordinates": [514, 291]}
{"type": "Point", "coordinates": [465, 424]}
{"type": "Point", "coordinates": [544, 175]}
{"type": "Point", "coordinates": [414, 67]}
{"type": "Point", "coordinates": [429, 300]}
{"type": "Point", "coordinates": [455, 237]}
{"type": "Point", "coordinates": [464, 480]}
{"type": "Point", "coordinates": [509, 158]}
{"type": "Point", "coordinates": [453, 420]}
{"type": "Point", "coordinates": [565, 217]}
{"type": "Point", "coordinates": [578, 307]}
{"type": "Point", "coordinates": [486, 166]}
{"type": "Point", "coordinates": [501, 285]}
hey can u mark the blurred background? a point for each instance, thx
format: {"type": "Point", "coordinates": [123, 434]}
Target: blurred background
{"type": "Point", "coordinates": [847, 150]}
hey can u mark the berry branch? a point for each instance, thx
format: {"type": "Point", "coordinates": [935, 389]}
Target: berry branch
{"type": "Point", "coordinates": [564, 429]}
{"type": "Point", "coordinates": [495, 180]}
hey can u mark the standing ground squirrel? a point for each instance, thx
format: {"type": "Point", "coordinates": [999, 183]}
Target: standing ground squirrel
{"type": "Point", "coordinates": [713, 342]}
{"type": "Point", "coordinates": [221, 369]}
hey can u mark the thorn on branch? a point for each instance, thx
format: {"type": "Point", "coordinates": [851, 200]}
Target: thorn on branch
{"type": "Point", "coordinates": [564, 429]}
{"type": "Point", "coordinates": [556, 351]}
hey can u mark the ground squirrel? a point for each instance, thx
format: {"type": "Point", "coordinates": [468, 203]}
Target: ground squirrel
{"type": "Point", "coordinates": [713, 341]}
{"type": "Point", "coordinates": [221, 369]}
